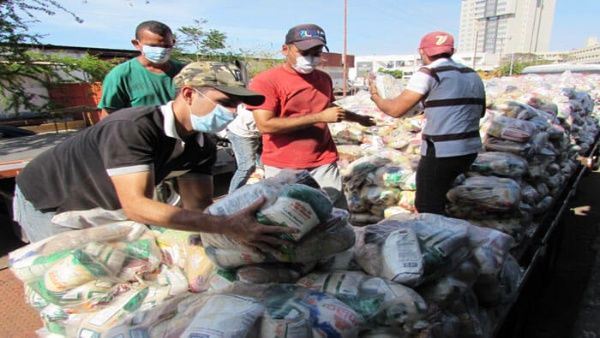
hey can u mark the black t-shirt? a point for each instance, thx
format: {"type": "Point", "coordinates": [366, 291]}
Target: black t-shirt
{"type": "Point", "coordinates": [74, 175]}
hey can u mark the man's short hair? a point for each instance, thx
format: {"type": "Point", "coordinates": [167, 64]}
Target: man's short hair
{"type": "Point", "coordinates": [440, 56]}
{"type": "Point", "coordinates": [155, 27]}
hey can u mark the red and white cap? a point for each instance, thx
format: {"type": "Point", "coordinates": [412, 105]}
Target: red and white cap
{"type": "Point", "coordinates": [436, 43]}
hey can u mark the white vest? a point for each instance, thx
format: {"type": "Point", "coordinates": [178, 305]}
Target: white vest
{"type": "Point", "coordinates": [453, 107]}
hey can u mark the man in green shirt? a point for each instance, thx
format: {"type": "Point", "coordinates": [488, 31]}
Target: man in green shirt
{"type": "Point", "coordinates": [146, 80]}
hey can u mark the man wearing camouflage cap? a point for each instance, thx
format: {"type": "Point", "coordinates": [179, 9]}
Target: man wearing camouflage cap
{"type": "Point", "coordinates": [107, 172]}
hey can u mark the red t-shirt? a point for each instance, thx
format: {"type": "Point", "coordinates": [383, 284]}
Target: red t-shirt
{"type": "Point", "coordinates": [288, 94]}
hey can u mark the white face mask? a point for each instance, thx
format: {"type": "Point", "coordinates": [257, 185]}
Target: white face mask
{"type": "Point", "coordinates": [306, 64]}
{"type": "Point", "coordinates": [213, 122]}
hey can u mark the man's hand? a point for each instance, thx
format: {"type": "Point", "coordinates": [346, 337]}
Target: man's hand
{"type": "Point", "coordinates": [332, 114]}
{"type": "Point", "coordinates": [366, 121]}
{"type": "Point", "coordinates": [373, 88]}
{"type": "Point", "coordinates": [363, 120]}
{"type": "Point", "coordinates": [243, 227]}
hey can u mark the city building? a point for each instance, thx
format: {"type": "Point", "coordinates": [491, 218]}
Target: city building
{"type": "Point", "coordinates": [588, 54]}
{"type": "Point", "coordinates": [410, 63]}
{"type": "Point", "coordinates": [505, 26]}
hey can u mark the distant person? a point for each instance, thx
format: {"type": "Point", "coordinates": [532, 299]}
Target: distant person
{"type": "Point", "coordinates": [454, 101]}
{"type": "Point", "coordinates": [298, 106]}
{"type": "Point", "coordinates": [246, 143]}
{"type": "Point", "coordinates": [146, 80]}
{"type": "Point", "coordinates": [106, 172]}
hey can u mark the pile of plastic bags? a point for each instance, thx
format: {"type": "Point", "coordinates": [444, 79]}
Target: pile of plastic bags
{"type": "Point", "coordinates": [84, 282]}
{"type": "Point", "coordinates": [399, 278]}
{"type": "Point", "coordinates": [532, 144]}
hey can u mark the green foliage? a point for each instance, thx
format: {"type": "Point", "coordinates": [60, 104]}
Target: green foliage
{"type": "Point", "coordinates": [16, 64]}
{"type": "Point", "coordinates": [519, 63]}
{"type": "Point", "coordinates": [201, 42]}
{"type": "Point", "coordinates": [397, 73]}
{"type": "Point", "coordinates": [93, 68]}
{"type": "Point", "coordinates": [195, 43]}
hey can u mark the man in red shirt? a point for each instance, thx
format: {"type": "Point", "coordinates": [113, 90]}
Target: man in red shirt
{"type": "Point", "coordinates": [298, 105]}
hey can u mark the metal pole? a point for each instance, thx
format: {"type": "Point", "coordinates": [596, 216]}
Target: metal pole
{"type": "Point", "coordinates": [344, 55]}
{"type": "Point", "coordinates": [512, 62]}
{"type": "Point", "coordinates": [475, 47]}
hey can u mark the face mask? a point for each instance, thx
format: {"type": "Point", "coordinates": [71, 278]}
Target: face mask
{"type": "Point", "coordinates": [213, 122]}
{"type": "Point", "coordinates": [156, 55]}
{"type": "Point", "coordinates": [306, 64]}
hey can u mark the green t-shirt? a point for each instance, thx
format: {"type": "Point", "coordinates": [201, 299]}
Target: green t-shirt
{"type": "Point", "coordinates": [131, 85]}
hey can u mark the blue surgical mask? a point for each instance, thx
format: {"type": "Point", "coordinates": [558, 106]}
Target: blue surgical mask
{"type": "Point", "coordinates": [156, 55]}
{"type": "Point", "coordinates": [306, 64]}
{"type": "Point", "coordinates": [213, 122]}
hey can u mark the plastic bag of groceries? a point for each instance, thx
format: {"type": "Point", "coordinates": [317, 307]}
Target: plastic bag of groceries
{"type": "Point", "coordinates": [296, 312]}
{"type": "Point", "coordinates": [511, 226]}
{"type": "Point", "coordinates": [411, 249]}
{"type": "Point", "coordinates": [388, 86]}
{"type": "Point", "coordinates": [224, 279]}
{"type": "Point", "coordinates": [209, 315]}
{"type": "Point", "coordinates": [357, 173]}
{"type": "Point", "coordinates": [495, 144]}
{"type": "Point", "coordinates": [114, 253]}
{"type": "Point", "coordinates": [393, 176]}
{"type": "Point", "coordinates": [136, 298]}
{"type": "Point", "coordinates": [184, 249]}
{"type": "Point", "coordinates": [499, 164]}
{"type": "Point", "coordinates": [502, 288]}
{"type": "Point", "coordinates": [490, 248]}
{"type": "Point", "coordinates": [328, 238]}
{"type": "Point", "coordinates": [486, 192]}
{"type": "Point", "coordinates": [378, 301]}
{"type": "Point", "coordinates": [443, 292]}
{"type": "Point", "coordinates": [101, 274]}
{"type": "Point", "coordinates": [288, 203]}
{"type": "Point", "coordinates": [511, 129]}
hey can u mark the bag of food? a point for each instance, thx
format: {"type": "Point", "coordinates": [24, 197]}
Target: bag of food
{"type": "Point", "coordinates": [511, 129]}
{"type": "Point", "coordinates": [495, 144]}
{"type": "Point", "coordinates": [378, 301]}
{"type": "Point", "coordinates": [294, 311]}
{"type": "Point", "coordinates": [411, 249]}
{"type": "Point", "coordinates": [499, 164]}
{"type": "Point", "coordinates": [284, 201]}
{"type": "Point", "coordinates": [487, 192]}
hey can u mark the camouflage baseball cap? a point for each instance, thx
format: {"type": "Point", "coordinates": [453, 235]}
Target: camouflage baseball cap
{"type": "Point", "coordinates": [225, 77]}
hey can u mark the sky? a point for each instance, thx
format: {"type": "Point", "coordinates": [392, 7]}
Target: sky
{"type": "Point", "coordinates": [374, 27]}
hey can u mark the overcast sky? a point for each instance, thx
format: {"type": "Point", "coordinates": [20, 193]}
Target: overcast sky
{"type": "Point", "coordinates": [374, 27]}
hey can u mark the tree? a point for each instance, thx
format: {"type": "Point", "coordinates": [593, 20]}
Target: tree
{"type": "Point", "coordinates": [518, 63]}
{"type": "Point", "coordinates": [16, 63]}
{"type": "Point", "coordinates": [205, 43]}
{"type": "Point", "coordinates": [396, 73]}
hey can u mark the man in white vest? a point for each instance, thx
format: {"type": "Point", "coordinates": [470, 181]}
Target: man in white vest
{"type": "Point", "coordinates": [454, 99]}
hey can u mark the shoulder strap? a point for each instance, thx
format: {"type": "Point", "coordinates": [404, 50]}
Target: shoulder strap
{"type": "Point", "coordinates": [430, 72]}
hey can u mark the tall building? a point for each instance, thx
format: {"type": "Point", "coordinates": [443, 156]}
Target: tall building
{"type": "Point", "coordinates": [505, 26]}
